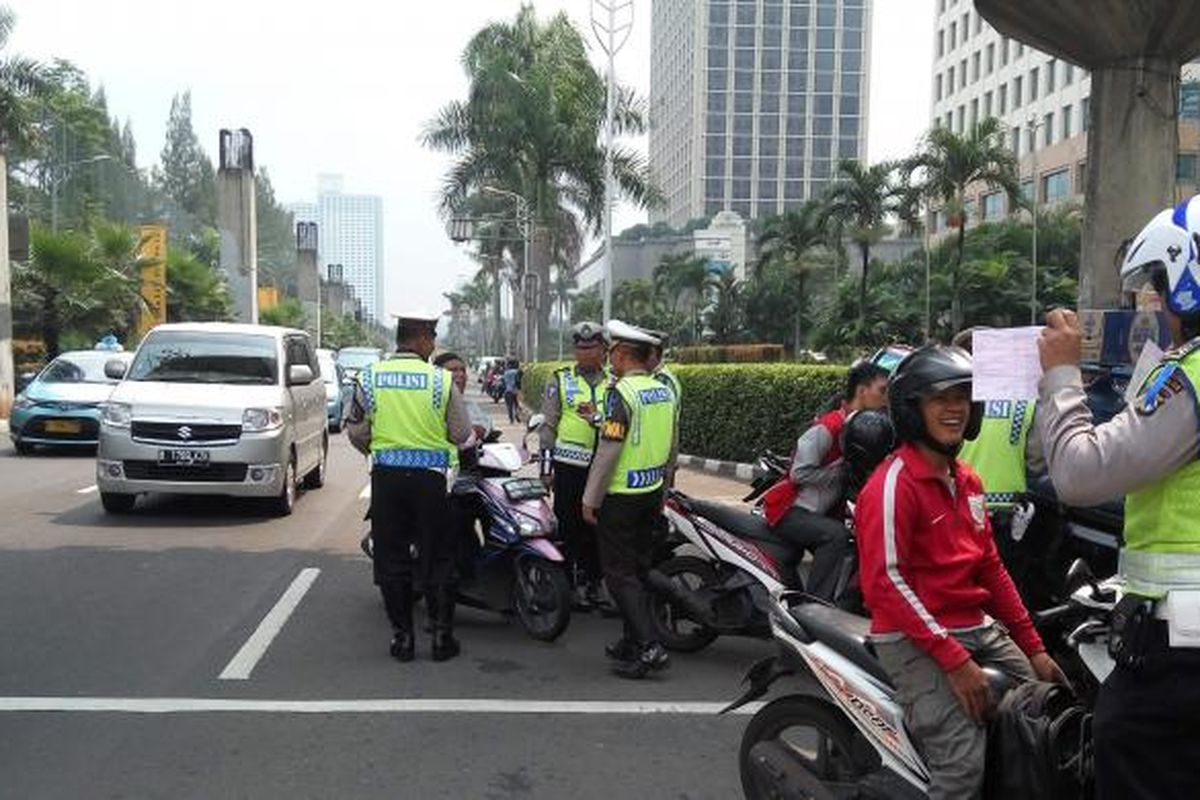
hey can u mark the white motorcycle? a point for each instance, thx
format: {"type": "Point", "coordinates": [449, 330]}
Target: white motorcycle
{"type": "Point", "coordinates": [840, 732]}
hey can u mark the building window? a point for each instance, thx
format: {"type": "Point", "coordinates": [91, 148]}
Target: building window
{"type": "Point", "coordinates": [949, 120]}
{"type": "Point", "coordinates": [1056, 186]}
{"type": "Point", "coordinates": [1004, 52]}
{"type": "Point", "coordinates": [745, 13]}
{"type": "Point", "coordinates": [1051, 68]}
{"type": "Point", "coordinates": [975, 67]}
{"type": "Point", "coordinates": [1068, 74]}
{"type": "Point", "coordinates": [993, 206]}
{"type": "Point", "coordinates": [1066, 122]}
{"type": "Point", "coordinates": [1048, 129]}
{"type": "Point", "coordinates": [1016, 140]}
{"type": "Point", "coordinates": [941, 43]}
{"type": "Point", "coordinates": [1002, 100]}
{"type": "Point", "coordinates": [974, 112]}
{"type": "Point", "coordinates": [1033, 84]}
{"type": "Point", "coordinates": [962, 113]}
{"type": "Point", "coordinates": [991, 58]}
{"type": "Point", "coordinates": [962, 74]}
{"type": "Point", "coordinates": [1020, 49]}
{"type": "Point", "coordinates": [1085, 111]}
{"type": "Point", "coordinates": [966, 26]}
{"type": "Point", "coordinates": [1185, 167]}
{"type": "Point", "coordinates": [950, 81]}
{"type": "Point", "coordinates": [1081, 178]}
{"type": "Point", "coordinates": [987, 105]}
{"type": "Point", "coordinates": [1027, 190]}
{"type": "Point", "coordinates": [953, 35]}
{"type": "Point", "coordinates": [1017, 100]}
{"type": "Point", "coordinates": [937, 88]}
{"type": "Point", "coordinates": [978, 23]}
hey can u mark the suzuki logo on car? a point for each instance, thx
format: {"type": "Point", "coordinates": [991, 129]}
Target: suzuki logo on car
{"type": "Point", "coordinates": [184, 432]}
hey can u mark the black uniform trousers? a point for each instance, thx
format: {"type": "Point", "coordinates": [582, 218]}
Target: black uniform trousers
{"type": "Point", "coordinates": [1147, 725]}
{"type": "Point", "coordinates": [413, 538]}
{"type": "Point", "coordinates": [627, 532]}
{"type": "Point", "coordinates": [580, 538]}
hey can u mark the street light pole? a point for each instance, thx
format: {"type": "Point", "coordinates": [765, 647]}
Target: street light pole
{"type": "Point", "coordinates": [525, 221]}
{"type": "Point", "coordinates": [612, 35]}
{"type": "Point", "coordinates": [1033, 298]}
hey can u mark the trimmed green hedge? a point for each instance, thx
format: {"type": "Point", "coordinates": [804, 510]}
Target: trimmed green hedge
{"type": "Point", "coordinates": [731, 411]}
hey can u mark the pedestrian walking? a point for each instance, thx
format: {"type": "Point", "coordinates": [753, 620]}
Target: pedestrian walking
{"type": "Point", "coordinates": [624, 493]}
{"type": "Point", "coordinates": [409, 417]}
{"type": "Point", "coordinates": [512, 390]}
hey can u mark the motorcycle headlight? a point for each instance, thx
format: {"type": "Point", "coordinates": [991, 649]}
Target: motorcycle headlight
{"type": "Point", "coordinates": [22, 403]}
{"type": "Point", "coordinates": [116, 415]}
{"type": "Point", "coordinates": [528, 528]}
{"type": "Point", "coordinates": [262, 419]}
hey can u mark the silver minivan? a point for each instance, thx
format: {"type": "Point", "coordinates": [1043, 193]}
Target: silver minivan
{"type": "Point", "coordinates": [214, 408]}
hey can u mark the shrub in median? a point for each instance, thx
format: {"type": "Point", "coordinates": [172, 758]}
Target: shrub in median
{"type": "Point", "coordinates": [730, 412]}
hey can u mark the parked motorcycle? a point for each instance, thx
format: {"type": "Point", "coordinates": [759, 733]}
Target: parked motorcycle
{"type": "Point", "coordinates": [718, 572]}
{"type": "Point", "coordinates": [839, 730]}
{"type": "Point", "coordinates": [769, 469]}
{"type": "Point", "coordinates": [508, 559]}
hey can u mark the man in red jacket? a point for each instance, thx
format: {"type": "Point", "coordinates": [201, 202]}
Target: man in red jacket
{"type": "Point", "coordinates": [942, 605]}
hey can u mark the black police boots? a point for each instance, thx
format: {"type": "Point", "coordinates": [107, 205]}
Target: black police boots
{"type": "Point", "coordinates": [440, 603]}
{"type": "Point", "coordinates": [398, 600]}
{"type": "Point", "coordinates": [636, 654]}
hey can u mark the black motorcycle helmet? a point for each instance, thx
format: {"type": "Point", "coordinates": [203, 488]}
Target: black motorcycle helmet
{"type": "Point", "coordinates": [929, 370]}
{"type": "Point", "coordinates": [867, 438]}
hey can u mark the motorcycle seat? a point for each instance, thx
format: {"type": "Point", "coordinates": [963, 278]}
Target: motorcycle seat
{"type": "Point", "coordinates": [842, 632]}
{"type": "Point", "coordinates": [738, 522]}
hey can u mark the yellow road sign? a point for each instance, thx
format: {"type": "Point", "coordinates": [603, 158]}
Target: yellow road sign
{"type": "Point", "coordinates": [152, 252]}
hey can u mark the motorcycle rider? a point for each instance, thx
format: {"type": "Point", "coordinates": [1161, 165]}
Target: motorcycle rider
{"type": "Point", "coordinates": [571, 408]}
{"type": "Point", "coordinates": [1147, 744]}
{"type": "Point", "coordinates": [817, 482]}
{"type": "Point", "coordinates": [409, 417]}
{"type": "Point", "coordinates": [624, 493]}
{"type": "Point", "coordinates": [932, 578]}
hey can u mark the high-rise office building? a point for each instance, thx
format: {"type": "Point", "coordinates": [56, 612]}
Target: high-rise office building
{"type": "Point", "coordinates": [350, 233]}
{"type": "Point", "coordinates": [1042, 103]}
{"type": "Point", "coordinates": [753, 102]}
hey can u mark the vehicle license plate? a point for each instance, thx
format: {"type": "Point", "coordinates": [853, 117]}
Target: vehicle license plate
{"type": "Point", "coordinates": [183, 458]}
{"type": "Point", "coordinates": [63, 426]}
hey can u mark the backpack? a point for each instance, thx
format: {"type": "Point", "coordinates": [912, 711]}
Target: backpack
{"type": "Point", "coordinates": [1039, 745]}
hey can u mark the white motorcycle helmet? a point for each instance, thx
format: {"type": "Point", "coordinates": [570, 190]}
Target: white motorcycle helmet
{"type": "Point", "coordinates": [1167, 255]}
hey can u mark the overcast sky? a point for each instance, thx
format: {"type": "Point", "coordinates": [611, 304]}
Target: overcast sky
{"type": "Point", "coordinates": [346, 87]}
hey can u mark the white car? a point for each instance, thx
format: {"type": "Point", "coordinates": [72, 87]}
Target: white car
{"type": "Point", "coordinates": [214, 408]}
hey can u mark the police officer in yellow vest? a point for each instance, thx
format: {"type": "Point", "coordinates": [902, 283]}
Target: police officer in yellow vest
{"type": "Point", "coordinates": [1147, 719]}
{"type": "Point", "coordinates": [409, 417]}
{"type": "Point", "coordinates": [624, 494]}
{"type": "Point", "coordinates": [661, 373]}
{"type": "Point", "coordinates": [572, 406]}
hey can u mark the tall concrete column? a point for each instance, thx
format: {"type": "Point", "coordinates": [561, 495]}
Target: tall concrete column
{"type": "Point", "coordinates": [236, 222]}
{"type": "Point", "coordinates": [8, 377]}
{"type": "Point", "coordinates": [308, 279]}
{"type": "Point", "coordinates": [1134, 51]}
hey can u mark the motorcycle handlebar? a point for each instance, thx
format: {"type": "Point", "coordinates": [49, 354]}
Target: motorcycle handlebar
{"type": "Point", "coordinates": [1057, 613]}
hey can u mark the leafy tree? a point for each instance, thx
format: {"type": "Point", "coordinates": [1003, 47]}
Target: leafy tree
{"type": "Point", "coordinates": [946, 164]}
{"type": "Point", "coordinates": [679, 276]}
{"type": "Point", "coordinates": [289, 313]}
{"type": "Point", "coordinates": [185, 174]}
{"type": "Point", "coordinates": [530, 126]}
{"type": "Point", "coordinates": [196, 291]}
{"type": "Point", "coordinates": [276, 237]}
{"type": "Point", "coordinates": [788, 256]}
{"type": "Point", "coordinates": [587, 305]}
{"type": "Point", "coordinates": [859, 204]}
{"type": "Point", "coordinates": [725, 317]}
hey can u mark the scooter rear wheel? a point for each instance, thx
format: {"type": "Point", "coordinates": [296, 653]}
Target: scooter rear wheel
{"type": "Point", "coordinates": [822, 742]}
{"type": "Point", "coordinates": [674, 630]}
{"type": "Point", "coordinates": [541, 598]}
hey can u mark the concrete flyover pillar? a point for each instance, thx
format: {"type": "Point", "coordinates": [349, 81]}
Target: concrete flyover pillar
{"type": "Point", "coordinates": [236, 222]}
{"type": "Point", "coordinates": [308, 279]}
{"type": "Point", "coordinates": [1134, 50]}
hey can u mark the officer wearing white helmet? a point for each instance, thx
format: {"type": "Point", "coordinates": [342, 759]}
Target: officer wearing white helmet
{"type": "Point", "coordinates": [409, 417]}
{"type": "Point", "coordinates": [1146, 737]}
{"type": "Point", "coordinates": [624, 493]}
{"type": "Point", "coordinates": [571, 408]}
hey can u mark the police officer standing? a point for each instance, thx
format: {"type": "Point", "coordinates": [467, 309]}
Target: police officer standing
{"type": "Point", "coordinates": [571, 407]}
{"type": "Point", "coordinates": [1146, 735]}
{"type": "Point", "coordinates": [409, 417]}
{"type": "Point", "coordinates": [661, 373]}
{"type": "Point", "coordinates": [624, 494]}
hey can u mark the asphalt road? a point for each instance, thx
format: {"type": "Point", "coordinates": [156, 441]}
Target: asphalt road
{"type": "Point", "coordinates": [116, 632]}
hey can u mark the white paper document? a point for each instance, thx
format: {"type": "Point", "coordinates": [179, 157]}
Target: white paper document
{"type": "Point", "coordinates": [1148, 360]}
{"type": "Point", "coordinates": [1007, 365]}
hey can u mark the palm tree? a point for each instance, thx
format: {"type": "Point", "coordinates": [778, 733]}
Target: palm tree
{"type": "Point", "coordinates": [724, 316]}
{"type": "Point", "coordinates": [786, 242]}
{"type": "Point", "coordinates": [20, 80]}
{"type": "Point", "coordinates": [564, 283]}
{"type": "Point", "coordinates": [947, 164]}
{"type": "Point", "coordinates": [859, 203]}
{"type": "Point", "coordinates": [530, 126]}
{"type": "Point", "coordinates": [682, 274]}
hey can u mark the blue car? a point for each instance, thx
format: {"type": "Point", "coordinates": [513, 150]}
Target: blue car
{"type": "Point", "coordinates": [61, 406]}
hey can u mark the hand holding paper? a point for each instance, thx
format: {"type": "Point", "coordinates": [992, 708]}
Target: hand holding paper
{"type": "Point", "coordinates": [1061, 342]}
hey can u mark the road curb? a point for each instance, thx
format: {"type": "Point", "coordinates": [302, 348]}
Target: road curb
{"type": "Point", "coordinates": [727, 469]}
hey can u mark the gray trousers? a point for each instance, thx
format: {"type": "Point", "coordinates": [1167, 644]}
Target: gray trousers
{"type": "Point", "coordinates": [954, 745]}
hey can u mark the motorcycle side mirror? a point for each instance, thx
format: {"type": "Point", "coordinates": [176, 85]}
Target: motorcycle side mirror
{"type": "Point", "coordinates": [1079, 574]}
{"type": "Point", "coordinates": [535, 422]}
